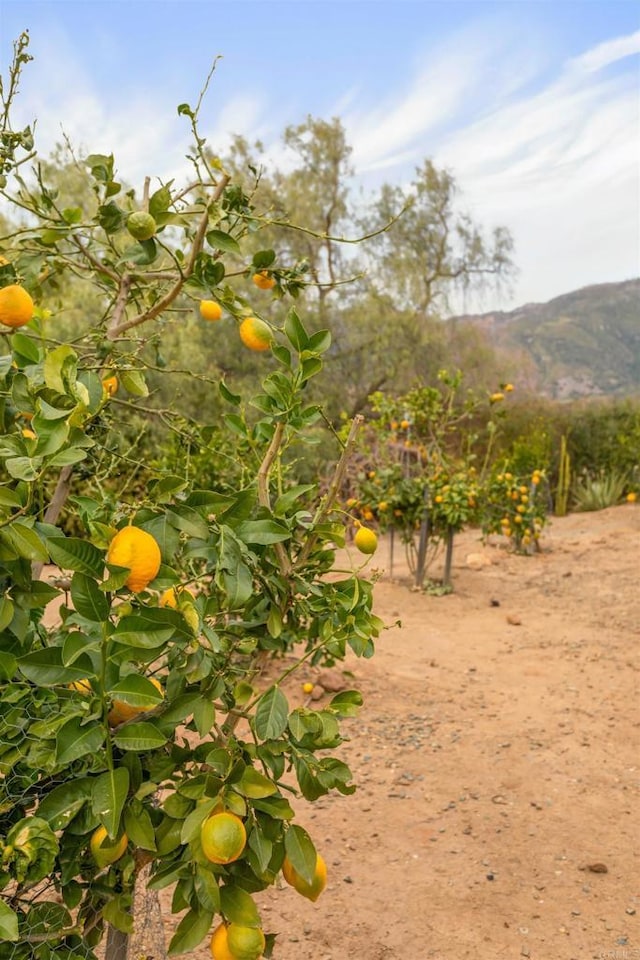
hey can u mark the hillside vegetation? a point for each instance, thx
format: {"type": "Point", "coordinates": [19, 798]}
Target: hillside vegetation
{"type": "Point", "coordinates": [583, 343]}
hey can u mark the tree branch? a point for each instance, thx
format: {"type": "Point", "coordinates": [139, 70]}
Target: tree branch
{"type": "Point", "coordinates": [167, 300]}
{"type": "Point", "coordinates": [263, 491]}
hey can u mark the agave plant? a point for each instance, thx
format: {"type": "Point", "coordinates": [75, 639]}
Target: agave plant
{"type": "Point", "coordinates": [596, 492]}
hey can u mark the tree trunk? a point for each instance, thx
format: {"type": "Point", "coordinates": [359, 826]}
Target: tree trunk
{"type": "Point", "coordinates": [147, 940]}
{"type": "Point", "coordinates": [424, 540]}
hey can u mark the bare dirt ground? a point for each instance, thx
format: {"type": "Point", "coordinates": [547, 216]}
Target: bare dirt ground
{"type": "Point", "coordinates": [497, 757]}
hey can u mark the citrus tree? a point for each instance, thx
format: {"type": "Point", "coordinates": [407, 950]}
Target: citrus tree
{"type": "Point", "coordinates": [138, 736]}
{"type": "Point", "coordinates": [429, 468]}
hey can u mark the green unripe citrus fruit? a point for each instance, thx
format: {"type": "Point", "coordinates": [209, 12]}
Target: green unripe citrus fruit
{"type": "Point", "coordinates": [141, 225]}
{"type": "Point", "coordinates": [245, 943]}
{"type": "Point", "coordinates": [223, 837]}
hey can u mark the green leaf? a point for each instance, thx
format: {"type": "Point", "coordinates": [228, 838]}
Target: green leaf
{"type": "Point", "coordinates": [45, 916]}
{"type": "Point", "coordinates": [272, 714]}
{"type": "Point", "coordinates": [74, 646]}
{"type": "Point", "coordinates": [192, 824]}
{"type": "Point", "coordinates": [255, 785]}
{"type": "Point", "coordinates": [72, 553]}
{"type": "Point", "coordinates": [276, 807]}
{"type": "Point", "coordinates": [138, 826]}
{"type": "Point", "coordinates": [295, 332]}
{"type": "Point", "coordinates": [263, 259]}
{"type": "Point", "coordinates": [191, 931]}
{"type": "Point", "coordinates": [52, 435]}
{"type": "Point", "coordinates": [75, 740]}
{"type": "Point", "coordinates": [309, 367]}
{"type": "Point", "coordinates": [60, 368]}
{"type": "Point", "coordinates": [25, 349]}
{"type": "Point", "coordinates": [25, 541]}
{"type": "Point", "coordinates": [8, 663]}
{"type": "Point", "coordinates": [151, 627]}
{"type": "Point", "coordinates": [134, 383]}
{"type": "Point", "coordinates": [46, 667]}
{"type": "Point", "coordinates": [72, 215]}
{"type": "Point", "coordinates": [238, 906]}
{"type": "Point", "coordinates": [287, 500]}
{"type": "Point", "coordinates": [207, 890]}
{"type": "Point", "coordinates": [8, 923]}
{"type": "Point", "coordinates": [222, 241]}
{"type": "Point", "coordinates": [60, 806]}
{"type": "Point", "coordinates": [159, 202]}
{"type": "Point", "coordinates": [139, 736]}
{"type": "Point", "coordinates": [188, 521]}
{"type": "Point", "coordinates": [230, 397]}
{"type": "Point", "coordinates": [301, 851]}
{"type": "Point", "coordinates": [347, 703]}
{"type": "Point", "coordinates": [88, 599]}
{"type": "Point", "coordinates": [21, 468]}
{"type": "Point", "coordinates": [203, 715]}
{"type": "Point", "coordinates": [319, 342]}
{"type": "Point", "coordinates": [108, 798]}
{"type": "Point", "coordinates": [137, 691]}
{"type": "Point", "coordinates": [116, 912]}
{"type": "Point", "coordinates": [261, 846]}
{"type": "Point", "coordinates": [262, 531]}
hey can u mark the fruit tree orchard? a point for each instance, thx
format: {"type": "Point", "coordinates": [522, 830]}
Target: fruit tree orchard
{"type": "Point", "coordinates": [137, 734]}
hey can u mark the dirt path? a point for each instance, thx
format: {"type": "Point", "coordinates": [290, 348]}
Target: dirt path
{"type": "Point", "coordinates": [497, 764]}
{"type": "Point", "coordinates": [497, 758]}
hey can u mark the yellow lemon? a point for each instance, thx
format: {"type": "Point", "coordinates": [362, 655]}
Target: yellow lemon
{"type": "Point", "coordinates": [106, 851]}
{"type": "Point", "coordinates": [309, 890]}
{"type": "Point", "coordinates": [120, 711]}
{"type": "Point", "coordinates": [136, 549]}
{"type": "Point", "coordinates": [171, 597]}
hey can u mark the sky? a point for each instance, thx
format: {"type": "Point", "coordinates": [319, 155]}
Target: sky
{"type": "Point", "coordinates": [532, 105]}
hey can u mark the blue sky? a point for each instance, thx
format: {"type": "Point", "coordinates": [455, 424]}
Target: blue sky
{"type": "Point", "coordinates": [533, 106]}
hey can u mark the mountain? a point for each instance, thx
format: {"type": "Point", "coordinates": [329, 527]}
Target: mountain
{"type": "Point", "coordinates": [583, 343]}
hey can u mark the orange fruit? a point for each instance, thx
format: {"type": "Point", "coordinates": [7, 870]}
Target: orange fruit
{"type": "Point", "coordinates": [28, 434]}
{"type": "Point", "coordinates": [16, 306]}
{"type": "Point", "coordinates": [220, 944]}
{"type": "Point", "coordinates": [106, 851]}
{"type": "Point", "coordinates": [245, 943]}
{"type": "Point", "coordinates": [210, 310]}
{"type": "Point", "coordinates": [632, 497]}
{"type": "Point", "coordinates": [110, 385]}
{"type": "Point", "coordinates": [309, 890]}
{"type": "Point", "coordinates": [255, 334]}
{"type": "Point", "coordinates": [223, 837]}
{"type": "Point", "coordinates": [81, 686]}
{"type": "Point", "coordinates": [136, 549]}
{"type": "Point", "coordinates": [307, 688]}
{"type": "Point", "coordinates": [141, 225]}
{"type": "Point", "coordinates": [121, 712]}
{"type": "Point", "coordinates": [496, 397]}
{"type": "Point", "coordinates": [263, 280]}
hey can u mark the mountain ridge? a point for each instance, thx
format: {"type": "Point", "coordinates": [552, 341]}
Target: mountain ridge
{"type": "Point", "coordinates": [582, 343]}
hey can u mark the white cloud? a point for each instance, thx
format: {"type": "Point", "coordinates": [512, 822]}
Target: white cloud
{"type": "Point", "coordinates": [557, 165]}
{"type": "Point", "coordinates": [608, 52]}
